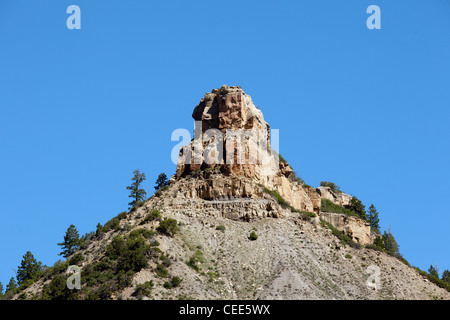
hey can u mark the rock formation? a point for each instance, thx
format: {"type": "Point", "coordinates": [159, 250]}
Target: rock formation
{"type": "Point", "coordinates": [214, 206]}
{"type": "Point", "coordinates": [231, 158]}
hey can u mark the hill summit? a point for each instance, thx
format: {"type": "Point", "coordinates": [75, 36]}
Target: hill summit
{"type": "Point", "coordinates": [235, 222]}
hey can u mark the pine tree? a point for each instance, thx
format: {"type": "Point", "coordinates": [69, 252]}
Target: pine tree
{"type": "Point", "coordinates": [1, 289]}
{"type": "Point", "coordinates": [390, 244]}
{"type": "Point", "coordinates": [161, 181]}
{"type": "Point", "coordinates": [99, 229]}
{"type": "Point", "coordinates": [71, 242]}
{"type": "Point", "coordinates": [446, 276]}
{"type": "Point", "coordinates": [137, 193]}
{"type": "Point", "coordinates": [357, 207]}
{"type": "Point", "coordinates": [11, 285]}
{"type": "Point", "coordinates": [29, 268]}
{"type": "Point", "coordinates": [432, 271]}
{"type": "Point", "coordinates": [373, 219]}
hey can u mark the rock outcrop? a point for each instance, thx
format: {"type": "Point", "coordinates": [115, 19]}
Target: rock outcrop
{"type": "Point", "coordinates": [231, 158]}
{"type": "Point", "coordinates": [355, 228]}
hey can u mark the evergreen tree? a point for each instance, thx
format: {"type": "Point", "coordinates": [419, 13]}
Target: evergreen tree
{"type": "Point", "coordinates": [99, 229]}
{"type": "Point", "coordinates": [446, 276]}
{"type": "Point", "coordinates": [432, 271]}
{"type": "Point", "coordinates": [357, 207]}
{"type": "Point", "coordinates": [373, 219]}
{"type": "Point", "coordinates": [71, 242]}
{"type": "Point", "coordinates": [29, 268]}
{"type": "Point", "coordinates": [379, 242]}
{"type": "Point", "coordinates": [390, 244]}
{"type": "Point", "coordinates": [11, 285]}
{"type": "Point", "coordinates": [137, 193]}
{"type": "Point", "coordinates": [162, 181]}
{"type": "Point", "coordinates": [1, 289]}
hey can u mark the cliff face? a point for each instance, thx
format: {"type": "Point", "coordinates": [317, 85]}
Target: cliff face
{"type": "Point", "coordinates": [232, 139]}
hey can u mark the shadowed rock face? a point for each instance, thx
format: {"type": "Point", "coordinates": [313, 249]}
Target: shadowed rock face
{"type": "Point", "coordinates": [230, 157]}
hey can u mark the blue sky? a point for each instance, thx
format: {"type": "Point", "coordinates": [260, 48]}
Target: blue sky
{"type": "Point", "coordinates": [81, 109]}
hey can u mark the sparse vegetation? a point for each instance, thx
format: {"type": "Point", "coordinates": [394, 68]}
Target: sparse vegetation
{"type": "Point", "coordinates": [331, 185]}
{"type": "Point", "coordinates": [221, 228]}
{"type": "Point", "coordinates": [195, 259]}
{"type": "Point", "coordinates": [143, 289]}
{"type": "Point", "coordinates": [168, 227]}
{"type": "Point", "coordinates": [340, 235]}
{"type": "Point", "coordinates": [253, 236]}
{"type": "Point", "coordinates": [329, 206]}
{"type": "Point", "coordinates": [155, 215]}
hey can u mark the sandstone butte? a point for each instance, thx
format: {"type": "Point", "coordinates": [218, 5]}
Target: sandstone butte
{"type": "Point", "coordinates": [229, 108]}
{"type": "Point", "coordinates": [217, 203]}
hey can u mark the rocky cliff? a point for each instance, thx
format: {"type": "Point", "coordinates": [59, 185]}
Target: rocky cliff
{"type": "Point", "coordinates": [218, 202]}
{"type": "Point", "coordinates": [233, 141]}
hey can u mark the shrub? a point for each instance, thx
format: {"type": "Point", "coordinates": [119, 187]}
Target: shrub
{"type": "Point", "coordinates": [279, 198]}
{"type": "Point", "coordinates": [294, 178]}
{"type": "Point", "coordinates": [148, 234]}
{"type": "Point", "coordinates": [122, 215]}
{"type": "Point", "coordinates": [434, 279]}
{"type": "Point", "coordinates": [134, 257]}
{"type": "Point", "coordinates": [196, 258]}
{"type": "Point", "coordinates": [76, 259]}
{"type": "Point", "coordinates": [348, 256]}
{"type": "Point", "coordinates": [176, 281]}
{"type": "Point", "coordinates": [253, 236]}
{"type": "Point", "coordinates": [168, 226]}
{"type": "Point", "coordinates": [143, 289]}
{"type": "Point", "coordinates": [331, 185]}
{"type": "Point", "coordinates": [57, 290]}
{"type": "Point", "coordinates": [152, 216]}
{"type": "Point", "coordinates": [308, 215]}
{"type": "Point", "coordinates": [329, 206]}
{"type": "Point", "coordinates": [221, 228]}
{"type": "Point", "coordinates": [161, 271]}
{"type": "Point", "coordinates": [165, 261]}
{"type": "Point", "coordinates": [113, 224]}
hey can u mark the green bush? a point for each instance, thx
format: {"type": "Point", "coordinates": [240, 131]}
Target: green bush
{"type": "Point", "coordinates": [144, 289]}
{"type": "Point", "coordinates": [122, 215]}
{"type": "Point", "coordinates": [113, 224]}
{"type": "Point", "coordinates": [176, 281]}
{"type": "Point", "coordinates": [57, 290]}
{"type": "Point", "coordinates": [134, 258]}
{"type": "Point", "coordinates": [348, 256]}
{"type": "Point", "coordinates": [161, 271]}
{"type": "Point", "coordinates": [329, 206]}
{"type": "Point", "coordinates": [76, 259]}
{"type": "Point", "coordinates": [331, 185]}
{"type": "Point", "coordinates": [434, 279]}
{"type": "Point", "coordinates": [221, 228]}
{"type": "Point", "coordinates": [148, 234]}
{"type": "Point", "coordinates": [253, 236]}
{"type": "Point", "coordinates": [196, 258]}
{"type": "Point", "coordinates": [152, 216]}
{"type": "Point", "coordinates": [168, 227]}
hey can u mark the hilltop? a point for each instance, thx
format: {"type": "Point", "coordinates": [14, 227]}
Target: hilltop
{"type": "Point", "coordinates": [236, 222]}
